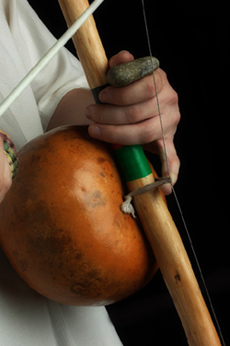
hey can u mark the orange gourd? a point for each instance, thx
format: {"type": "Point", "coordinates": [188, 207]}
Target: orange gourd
{"type": "Point", "coordinates": [61, 226]}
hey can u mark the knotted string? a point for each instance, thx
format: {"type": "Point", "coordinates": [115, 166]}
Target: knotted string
{"type": "Point", "coordinates": [173, 190]}
{"type": "Point", "coordinates": [127, 206]}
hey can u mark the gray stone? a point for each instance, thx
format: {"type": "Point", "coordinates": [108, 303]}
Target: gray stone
{"type": "Point", "coordinates": [127, 73]}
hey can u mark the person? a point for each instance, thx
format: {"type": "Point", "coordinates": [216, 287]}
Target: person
{"type": "Point", "coordinates": [60, 96]}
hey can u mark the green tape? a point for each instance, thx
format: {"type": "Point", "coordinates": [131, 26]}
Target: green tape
{"type": "Point", "coordinates": [132, 162]}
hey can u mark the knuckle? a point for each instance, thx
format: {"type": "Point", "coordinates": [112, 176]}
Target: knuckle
{"type": "Point", "coordinates": [174, 97]}
{"type": "Point", "coordinates": [147, 135]}
{"type": "Point", "coordinates": [173, 103]}
{"type": "Point", "coordinates": [121, 96]}
{"type": "Point", "coordinates": [162, 76]}
{"type": "Point", "coordinates": [175, 118]}
{"type": "Point", "coordinates": [100, 114]}
{"type": "Point", "coordinates": [171, 94]}
{"type": "Point", "coordinates": [110, 134]}
{"type": "Point", "coordinates": [133, 114]}
{"type": "Point", "coordinates": [150, 88]}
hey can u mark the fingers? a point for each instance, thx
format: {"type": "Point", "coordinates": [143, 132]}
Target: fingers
{"type": "Point", "coordinates": [142, 132]}
{"type": "Point", "coordinates": [130, 116]}
{"type": "Point", "coordinates": [137, 123]}
{"type": "Point", "coordinates": [132, 104]}
{"type": "Point", "coordinates": [121, 115]}
{"type": "Point", "coordinates": [124, 135]}
{"type": "Point", "coordinates": [143, 90]}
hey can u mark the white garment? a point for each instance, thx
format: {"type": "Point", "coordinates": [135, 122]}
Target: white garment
{"type": "Point", "coordinates": [26, 318]}
{"type": "Point", "coordinates": [23, 41]}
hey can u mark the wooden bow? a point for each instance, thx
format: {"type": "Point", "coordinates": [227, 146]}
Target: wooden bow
{"type": "Point", "coordinates": [156, 220]}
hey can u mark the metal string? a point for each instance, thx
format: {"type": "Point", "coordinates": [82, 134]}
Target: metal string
{"type": "Point", "coordinates": [173, 190]}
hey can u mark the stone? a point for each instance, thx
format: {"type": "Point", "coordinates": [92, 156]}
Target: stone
{"type": "Point", "coordinates": [127, 73]}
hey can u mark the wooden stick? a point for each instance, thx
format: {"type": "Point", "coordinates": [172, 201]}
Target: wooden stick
{"type": "Point", "coordinates": [87, 43]}
{"type": "Point", "coordinates": [175, 266]}
{"type": "Point", "coordinates": [152, 211]}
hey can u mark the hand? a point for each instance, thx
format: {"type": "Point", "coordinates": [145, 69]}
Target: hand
{"type": "Point", "coordinates": [130, 116]}
{"type": "Point", "coordinates": [5, 175]}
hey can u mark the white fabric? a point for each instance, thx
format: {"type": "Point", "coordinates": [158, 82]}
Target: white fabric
{"type": "Point", "coordinates": [23, 41]}
{"type": "Point", "coordinates": [26, 318]}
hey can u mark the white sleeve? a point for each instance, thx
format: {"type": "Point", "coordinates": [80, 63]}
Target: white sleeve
{"type": "Point", "coordinates": [62, 74]}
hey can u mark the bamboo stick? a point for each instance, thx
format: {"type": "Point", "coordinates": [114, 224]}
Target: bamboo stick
{"type": "Point", "coordinates": [152, 211]}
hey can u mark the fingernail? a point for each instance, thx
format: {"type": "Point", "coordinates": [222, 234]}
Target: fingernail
{"type": "Point", "coordinates": [88, 113]}
{"type": "Point", "coordinates": [94, 131]}
{"type": "Point", "coordinates": [103, 96]}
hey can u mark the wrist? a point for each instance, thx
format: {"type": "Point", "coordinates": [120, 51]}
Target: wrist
{"type": "Point", "coordinates": [11, 153]}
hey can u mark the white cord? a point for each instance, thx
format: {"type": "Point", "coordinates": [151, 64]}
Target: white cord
{"type": "Point", "coordinates": [25, 82]}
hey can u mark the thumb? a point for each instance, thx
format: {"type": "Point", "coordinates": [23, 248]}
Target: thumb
{"type": "Point", "coordinates": [170, 163]}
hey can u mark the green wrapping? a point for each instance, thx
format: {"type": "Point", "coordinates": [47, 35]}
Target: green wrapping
{"type": "Point", "coordinates": [132, 162]}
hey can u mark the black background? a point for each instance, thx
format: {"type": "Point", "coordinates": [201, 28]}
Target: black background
{"type": "Point", "coordinates": [190, 38]}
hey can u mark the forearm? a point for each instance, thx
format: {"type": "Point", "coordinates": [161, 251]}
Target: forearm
{"type": "Point", "coordinates": [71, 109]}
